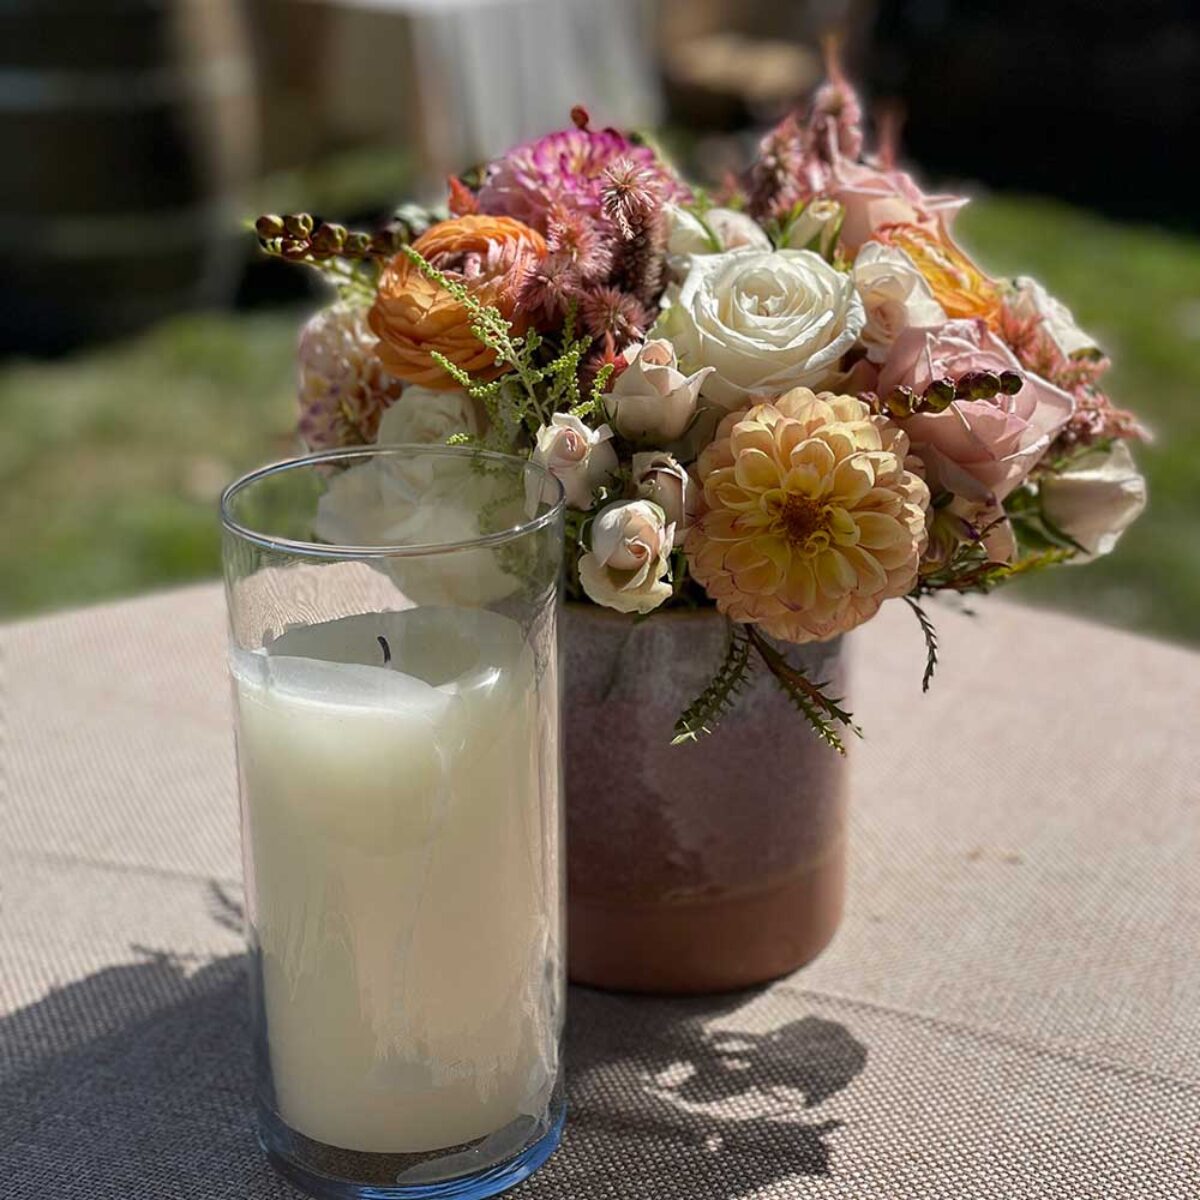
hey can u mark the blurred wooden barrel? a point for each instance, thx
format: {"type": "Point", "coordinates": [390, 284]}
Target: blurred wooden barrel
{"type": "Point", "coordinates": [128, 128]}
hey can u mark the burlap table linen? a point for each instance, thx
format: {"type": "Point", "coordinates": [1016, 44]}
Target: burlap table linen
{"type": "Point", "coordinates": [1011, 1010]}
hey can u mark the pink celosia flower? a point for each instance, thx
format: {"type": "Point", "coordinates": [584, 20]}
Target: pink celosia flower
{"type": "Point", "coordinates": [783, 173]}
{"type": "Point", "coordinates": [609, 311]}
{"type": "Point", "coordinates": [819, 156]}
{"type": "Point", "coordinates": [548, 287]}
{"type": "Point", "coordinates": [343, 387]}
{"type": "Point", "coordinates": [1095, 418]}
{"type": "Point", "coordinates": [798, 158]}
{"type": "Point", "coordinates": [835, 120]}
{"type": "Point", "coordinates": [577, 236]}
{"type": "Point", "coordinates": [630, 196]}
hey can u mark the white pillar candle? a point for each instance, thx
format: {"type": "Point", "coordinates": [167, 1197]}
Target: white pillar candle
{"type": "Point", "coordinates": [402, 860]}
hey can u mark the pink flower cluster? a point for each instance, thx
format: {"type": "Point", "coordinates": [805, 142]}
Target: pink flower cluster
{"type": "Point", "coordinates": [598, 199]}
{"type": "Point", "coordinates": [816, 400]}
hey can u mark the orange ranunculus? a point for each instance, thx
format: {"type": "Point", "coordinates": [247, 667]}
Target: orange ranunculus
{"type": "Point", "coordinates": [961, 288]}
{"type": "Point", "coordinates": [413, 315]}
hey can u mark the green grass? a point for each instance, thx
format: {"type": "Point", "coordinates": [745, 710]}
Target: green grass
{"type": "Point", "coordinates": [110, 462]}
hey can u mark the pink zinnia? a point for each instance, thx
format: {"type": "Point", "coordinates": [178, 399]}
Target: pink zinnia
{"type": "Point", "coordinates": [567, 167]}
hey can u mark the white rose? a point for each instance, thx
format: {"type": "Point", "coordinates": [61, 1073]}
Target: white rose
{"type": "Point", "coordinates": [895, 297]}
{"type": "Point", "coordinates": [629, 563]}
{"type": "Point", "coordinates": [766, 320]}
{"type": "Point", "coordinates": [427, 417]}
{"type": "Point", "coordinates": [816, 227]}
{"type": "Point", "coordinates": [1031, 300]}
{"type": "Point", "coordinates": [1095, 499]}
{"type": "Point", "coordinates": [428, 501]}
{"type": "Point", "coordinates": [689, 234]}
{"type": "Point", "coordinates": [661, 479]}
{"type": "Point", "coordinates": [581, 459]}
{"type": "Point", "coordinates": [652, 400]}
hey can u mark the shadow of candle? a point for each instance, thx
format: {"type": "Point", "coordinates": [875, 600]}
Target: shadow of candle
{"type": "Point", "coordinates": [137, 1080]}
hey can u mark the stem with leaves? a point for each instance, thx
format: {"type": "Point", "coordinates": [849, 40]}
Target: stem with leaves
{"type": "Point", "coordinates": [822, 712]}
{"type": "Point", "coordinates": [701, 716]}
{"type": "Point", "coordinates": [489, 326]}
{"type": "Point", "coordinates": [931, 641]}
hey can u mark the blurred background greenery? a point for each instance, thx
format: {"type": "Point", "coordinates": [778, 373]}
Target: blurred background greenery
{"type": "Point", "coordinates": [112, 455]}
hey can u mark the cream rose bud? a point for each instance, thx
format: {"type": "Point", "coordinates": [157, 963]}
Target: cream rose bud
{"type": "Point", "coordinates": [652, 400]}
{"type": "Point", "coordinates": [765, 321]}
{"type": "Point", "coordinates": [895, 297]}
{"type": "Point", "coordinates": [581, 459]}
{"type": "Point", "coordinates": [689, 234]}
{"type": "Point", "coordinates": [816, 227]}
{"type": "Point", "coordinates": [1095, 499]}
{"type": "Point", "coordinates": [628, 566]}
{"type": "Point", "coordinates": [661, 479]}
{"type": "Point", "coordinates": [1030, 300]}
{"type": "Point", "coordinates": [734, 229]}
{"type": "Point", "coordinates": [427, 417]}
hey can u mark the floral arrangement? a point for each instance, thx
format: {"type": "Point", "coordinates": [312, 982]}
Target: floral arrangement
{"type": "Point", "coordinates": [792, 399]}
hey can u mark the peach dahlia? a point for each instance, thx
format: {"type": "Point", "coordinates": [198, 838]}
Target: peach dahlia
{"type": "Point", "coordinates": [811, 519]}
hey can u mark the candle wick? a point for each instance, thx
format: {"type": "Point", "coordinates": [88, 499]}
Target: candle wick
{"type": "Point", "coordinates": [387, 650]}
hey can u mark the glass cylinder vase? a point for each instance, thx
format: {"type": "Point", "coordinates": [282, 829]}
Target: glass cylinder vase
{"type": "Point", "coordinates": [393, 653]}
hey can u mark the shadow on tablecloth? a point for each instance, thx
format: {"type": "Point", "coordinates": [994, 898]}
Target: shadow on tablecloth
{"type": "Point", "coordinates": [135, 1081]}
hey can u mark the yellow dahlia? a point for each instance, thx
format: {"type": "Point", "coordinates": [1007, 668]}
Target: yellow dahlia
{"type": "Point", "coordinates": [810, 517]}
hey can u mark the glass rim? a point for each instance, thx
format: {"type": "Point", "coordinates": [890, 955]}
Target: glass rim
{"type": "Point", "coordinates": [328, 550]}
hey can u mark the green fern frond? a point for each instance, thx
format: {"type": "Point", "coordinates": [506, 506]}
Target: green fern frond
{"type": "Point", "coordinates": [598, 386]}
{"type": "Point", "coordinates": [822, 712]}
{"type": "Point", "coordinates": [931, 641]}
{"type": "Point", "coordinates": [452, 369]}
{"type": "Point", "coordinates": [702, 715]}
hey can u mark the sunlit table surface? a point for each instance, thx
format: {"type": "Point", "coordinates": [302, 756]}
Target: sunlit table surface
{"type": "Point", "coordinates": [1011, 1010]}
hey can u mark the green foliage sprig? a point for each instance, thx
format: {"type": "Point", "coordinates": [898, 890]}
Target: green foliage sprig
{"type": "Point", "coordinates": [931, 640]}
{"type": "Point", "coordinates": [970, 570]}
{"type": "Point", "coordinates": [701, 716]}
{"type": "Point", "coordinates": [1033, 529]}
{"type": "Point", "coordinates": [593, 406]}
{"type": "Point", "coordinates": [824, 713]}
{"type": "Point", "coordinates": [545, 374]}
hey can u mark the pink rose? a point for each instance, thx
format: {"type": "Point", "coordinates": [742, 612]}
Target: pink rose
{"type": "Point", "coordinates": [581, 459]}
{"type": "Point", "coordinates": [977, 449]}
{"type": "Point", "coordinates": [872, 197]}
{"type": "Point", "coordinates": [660, 478]}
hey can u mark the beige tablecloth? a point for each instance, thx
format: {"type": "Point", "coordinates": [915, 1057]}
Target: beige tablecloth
{"type": "Point", "coordinates": [1012, 1009]}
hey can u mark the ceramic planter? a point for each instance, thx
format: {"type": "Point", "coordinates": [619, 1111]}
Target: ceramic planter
{"type": "Point", "coordinates": [703, 867]}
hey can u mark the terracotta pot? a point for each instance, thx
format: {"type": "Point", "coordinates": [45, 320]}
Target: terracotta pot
{"type": "Point", "coordinates": [703, 867]}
